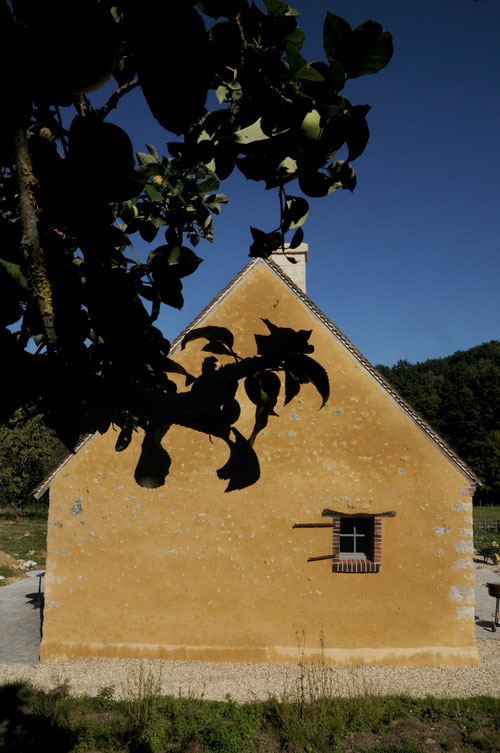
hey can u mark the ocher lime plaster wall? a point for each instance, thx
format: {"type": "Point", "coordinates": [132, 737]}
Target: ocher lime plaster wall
{"type": "Point", "coordinates": [186, 571]}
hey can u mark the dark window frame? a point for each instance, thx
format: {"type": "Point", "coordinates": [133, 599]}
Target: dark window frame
{"type": "Point", "coordinates": [367, 561]}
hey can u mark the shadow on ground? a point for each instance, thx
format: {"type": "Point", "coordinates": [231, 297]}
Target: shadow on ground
{"type": "Point", "coordinates": [24, 728]}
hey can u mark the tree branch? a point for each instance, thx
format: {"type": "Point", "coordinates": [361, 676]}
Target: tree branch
{"type": "Point", "coordinates": [30, 241]}
{"type": "Point", "coordinates": [112, 102]}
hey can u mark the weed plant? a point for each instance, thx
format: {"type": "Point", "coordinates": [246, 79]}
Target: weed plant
{"type": "Point", "coordinates": [147, 722]}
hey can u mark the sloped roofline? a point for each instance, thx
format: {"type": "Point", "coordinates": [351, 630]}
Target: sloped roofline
{"type": "Point", "coordinates": [339, 335]}
{"type": "Point", "coordinates": [333, 329]}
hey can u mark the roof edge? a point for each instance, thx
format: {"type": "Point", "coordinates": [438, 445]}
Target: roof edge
{"type": "Point", "coordinates": [387, 386]}
{"type": "Point", "coordinates": [42, 487]}
{"type": "Point", "coordinates": [357, 355]}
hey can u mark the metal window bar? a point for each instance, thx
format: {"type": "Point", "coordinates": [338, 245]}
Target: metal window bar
{"type": "Point", "coordinates": [354, 539]}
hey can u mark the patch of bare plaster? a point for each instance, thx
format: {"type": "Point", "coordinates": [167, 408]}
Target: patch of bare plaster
{"type": "Point", "coordinates": [76, 507]}
{"type": "Point", "coordinates": [460, 506]}
{"type": "Point", "coordinates": [466, 532]}
{"type": "Point", "coordinates": [294, 417]}
{"type": "Point", "coordinates": [56, 524]}
{"type": "Point", "coordinates": [463, 564]}
{"type": "Point", "coordinates": [441, 530]}
{"type": "Point", "coordinates": [462, 593]}
{"type": "Point", "coordinates": [465, 547]}
{"type": "Point", "coordinates": [440, 553]}
{"type": "Point", "coordinates": [465, 613]}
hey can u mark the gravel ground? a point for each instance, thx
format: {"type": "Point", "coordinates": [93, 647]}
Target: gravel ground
{"type": "Point", "coordinates": [244, 682]}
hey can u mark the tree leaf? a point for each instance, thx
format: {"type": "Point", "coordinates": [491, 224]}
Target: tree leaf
{"type": "Point", "coordinates": [315, 184]}
{"type": "Point", "coordinates": [337, 75]}
{"type": "Point", "coordinates": [148, 231]}
{"type": "Point", "coordinates": [153, 151]}
{"type": "Point", "coordinates": [264, 243]}
{"type": "Point", "coordinates": [154, 461]}
{"type": "Point", "coordinates": [172, 367]}
{"type": "Point", "coordinates": [296, 37]}
{"type": "Point", "coordinates": [297, 238]}
{"type": "Point", "coordinates": [223, 94]}
{"type": "Point", "coordinates": [294, 58]}
{"type": "Point", "coordinates": [343, 175]}
{"type": "Point", "coordinates": [153, 193]}
{"type": "Point", "coordinates": [250, 134]}
{"type": "Point", "coordinates": [296, 211]}
{"type": "Point", "coordinates": [211, 333]}
{"type": "Point", "coordinates": [292, 386]}
{"type": "Point", "coordinates": [218, 348]}
{"type": "Point", "coordinates": [263, 388]}
{"type": "Point", "coordinates": [178, 260]}
{"type": "Point", "coordinates": [280, 8]}
{"type": "Point", "coordinates": [177, 66]}
{"type": "Point", "coordinates": [146, 159]}
{"type": "Point", "coordinates": [14, 272]}
{"type": "Point", "coordinates": [306, 369]}
{"type": "Point", "coordinates": [282, 342]}
{"type": "Point", "coordinates": [169, 289]}
{"type": "Point", "coordinates": [242, 468]}
{"type": "Point", "coordinates": [337, 35]}
{"type": "Point", "coordinates": [308, 73]}
{"type": "Point", "coordinates": [373, 49]}
{"type": "Point", "coordinates": [357, 134]}
{"type": "Point", "coordinates": [124, 438]}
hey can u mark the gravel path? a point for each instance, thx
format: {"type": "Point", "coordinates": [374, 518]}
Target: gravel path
{"type": "Point", "coordinates": [244, 682]}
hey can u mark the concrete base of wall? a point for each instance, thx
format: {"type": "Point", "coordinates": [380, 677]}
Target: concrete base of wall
{"type": "Point", "coordinates": [413, 657]}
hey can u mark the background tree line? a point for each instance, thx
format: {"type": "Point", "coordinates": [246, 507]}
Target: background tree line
{"type": "Point", "coordinates": [459, 396]}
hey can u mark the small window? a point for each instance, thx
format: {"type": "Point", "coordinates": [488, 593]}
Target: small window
{"type": "Point", "coordinates": [356, 538]}
{"type": "Point", "coordinates": [357, 543]}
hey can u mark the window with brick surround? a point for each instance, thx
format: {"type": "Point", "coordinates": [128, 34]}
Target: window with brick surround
{"type": "Point", "coordinates": [357, 544]}
{"type": "Point", "coordinates": [356, 541]}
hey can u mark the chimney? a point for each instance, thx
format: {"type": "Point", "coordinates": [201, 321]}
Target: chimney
{"type": "Point", "coordinates": [295, 271]}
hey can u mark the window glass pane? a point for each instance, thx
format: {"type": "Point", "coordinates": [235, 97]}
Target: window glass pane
{"type": "Point", "coordinates": [347, 544]}
{"type": "Point", "coordinates": [346, 525]}
{"type": "Point", "coordinates": [356, 537]}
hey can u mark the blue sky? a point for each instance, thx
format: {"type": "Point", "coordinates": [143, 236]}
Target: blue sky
{"type": "Point", "coordinates": [407, 266]}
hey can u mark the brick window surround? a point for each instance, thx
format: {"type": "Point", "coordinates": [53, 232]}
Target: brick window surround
{"type": "Point", "coordinates": [368, 564]}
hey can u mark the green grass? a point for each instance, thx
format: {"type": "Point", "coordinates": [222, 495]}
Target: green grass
{"type": "Point", "coordinates": [486, 512]}
{"type": "Point", "coordinates": [482, 537]}
{"type": "Point", "coordinates": [150, 723]}
{"type": "Point", "coordinates": [25, 539]}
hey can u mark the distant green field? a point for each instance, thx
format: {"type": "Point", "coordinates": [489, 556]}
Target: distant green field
{"type": "Point", "coordinates": [486, 513]}
{"type": "Point", "coordinates": [484, 537]}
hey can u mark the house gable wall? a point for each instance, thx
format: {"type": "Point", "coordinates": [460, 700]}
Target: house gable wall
{"type": "Point", "coordinates": [187, 571]}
